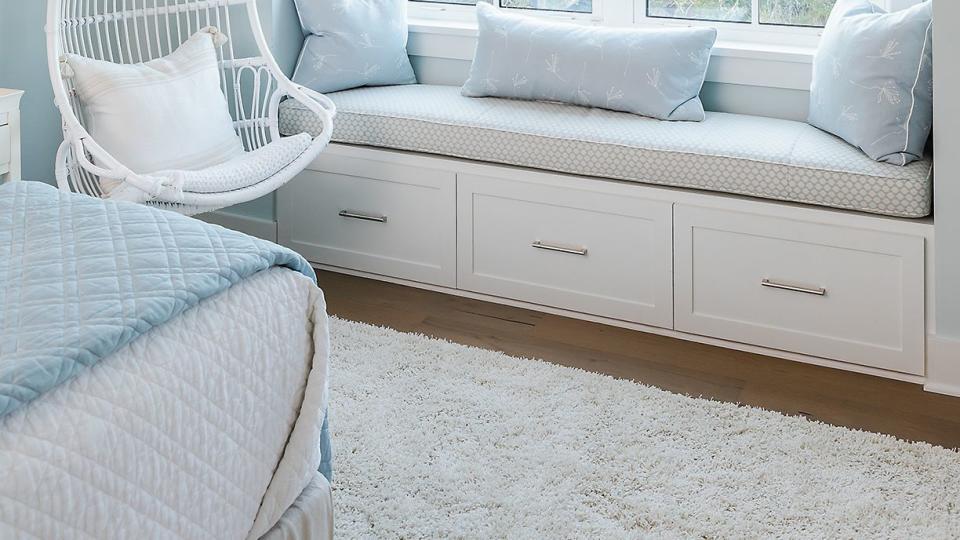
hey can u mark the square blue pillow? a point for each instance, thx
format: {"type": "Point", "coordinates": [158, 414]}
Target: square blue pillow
{"type": "Point", "coordinates": [353, 43]}
{"type": "Point", "coordinates": [873, 79]}
{"type": "Point", "coordinates": [650, 72]}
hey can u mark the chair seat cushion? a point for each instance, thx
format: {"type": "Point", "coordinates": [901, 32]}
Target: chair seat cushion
{"type": "Point", "coordinates": [246, 170]}
{"type": "Point", "coordinates": [746, 155]}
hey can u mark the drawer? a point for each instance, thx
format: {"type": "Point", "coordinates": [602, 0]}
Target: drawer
{"type": "Point", "coordinates": [600, 253]}
{"type": "Point", "coordinates": [387, 219]}
{"type": "Point", "coordinates": [4, 145]}
{"type": "Point", "coordinates": [841, 293]}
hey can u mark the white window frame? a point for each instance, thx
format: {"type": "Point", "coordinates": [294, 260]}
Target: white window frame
{"type": "Point", "coordinates": [458, 14]}
{"type": "Point", "coordinates": [634, 13]}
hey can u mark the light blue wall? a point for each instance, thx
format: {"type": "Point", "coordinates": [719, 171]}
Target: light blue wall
{"type": "Point", "coordinates": [947, 177]}
{"type": "Point", "coordinates": [23, 65]}
{"type": "Point", "coordinates": [287, 35]}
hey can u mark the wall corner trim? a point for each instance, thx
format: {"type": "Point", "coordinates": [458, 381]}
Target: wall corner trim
{"type": "Point", "coordinates": [258, 227]}
{"type": "Point", "coordinates": [943, 366]}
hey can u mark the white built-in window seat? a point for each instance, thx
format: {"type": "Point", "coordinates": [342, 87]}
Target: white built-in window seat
{"type": "Point", "coordinates": [790, 243]}
{"type": "Point", "coordinates": [731, 153]}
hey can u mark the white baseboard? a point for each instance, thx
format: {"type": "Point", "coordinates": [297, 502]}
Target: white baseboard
{"type": "Point", "coordinates": [258, 227]}
{"type": "Point", "coordinates": [943, 366]}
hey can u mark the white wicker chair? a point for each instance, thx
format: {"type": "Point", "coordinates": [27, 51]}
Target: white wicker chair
{"type": "Point", "coordinates": [130, 31]}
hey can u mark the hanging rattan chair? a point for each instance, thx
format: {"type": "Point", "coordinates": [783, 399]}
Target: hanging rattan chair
{"type": "Point", "coordinates": [134, 31]}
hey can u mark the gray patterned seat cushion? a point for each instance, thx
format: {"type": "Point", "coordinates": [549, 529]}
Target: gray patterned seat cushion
{"type": "Point", "coordinates": [730, 153]}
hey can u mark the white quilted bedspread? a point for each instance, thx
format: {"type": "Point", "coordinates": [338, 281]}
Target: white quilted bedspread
{"type": "Point", "coordinates": [205, 427]}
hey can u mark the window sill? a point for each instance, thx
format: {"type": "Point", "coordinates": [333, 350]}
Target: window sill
{"type": "Point", "coordinates": [764, 51]}
{"type": "Point", "coordinates": [445, 28]}
{"type": "Point", "coordinates": [735, 62]}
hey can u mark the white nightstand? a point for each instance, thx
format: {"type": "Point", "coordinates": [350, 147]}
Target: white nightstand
{"type": "Point", "coordinates": [9, 134]}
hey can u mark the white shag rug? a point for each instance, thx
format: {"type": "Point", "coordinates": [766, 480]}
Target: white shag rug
{"type": "Point", "coordinates": [434, 439]}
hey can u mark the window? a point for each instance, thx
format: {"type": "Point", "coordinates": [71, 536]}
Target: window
{"type": "Point", "coordinates": [561, 6]}
{"type": "Point", "coordinates": [569, 6]}
{"type": "Point", "coordinates": [812, 13]}
{"type": "Point", "coordinates": [739, 11]}
{"type": "Point", "coordinates": [455, 2]}
{"type": "Point", "coordinates": [778, 23]}
{"type": "Point", "coordinates": [795, 12]}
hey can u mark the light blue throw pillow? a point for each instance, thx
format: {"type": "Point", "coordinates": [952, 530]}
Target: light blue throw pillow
{"type": "Point", "coordinates": [353, 43]}
{"type": "Point", "coordinates": [873, 79]}
{"type": "Point", "coordinates": [650, 72]}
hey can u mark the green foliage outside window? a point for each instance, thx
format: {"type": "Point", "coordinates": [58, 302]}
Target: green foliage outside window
{"type": "Point", "coordinates": [785, 12]}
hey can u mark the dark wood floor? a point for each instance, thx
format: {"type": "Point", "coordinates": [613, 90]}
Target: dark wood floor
{"type": "Point", "coordinates": [832, 396]}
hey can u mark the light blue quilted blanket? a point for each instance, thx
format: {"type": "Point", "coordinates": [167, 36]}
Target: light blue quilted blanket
{"type": "Point", "coordinates": [82, 277]}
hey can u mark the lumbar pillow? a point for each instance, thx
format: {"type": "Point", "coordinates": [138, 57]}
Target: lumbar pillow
{"type": "Point", "coordinates": [353, 44]}
{"type": "Point", "coordinates": [872, 79]}
{"type": "Point", "coordinates": [656, 73]}
{"type": "Point", "coordinates": [169, 113]}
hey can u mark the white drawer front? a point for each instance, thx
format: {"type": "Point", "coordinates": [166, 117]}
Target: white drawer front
{"type": "Point", "coordinates": [387, 219]}
{"type": "Point", "coordinates": [597, 253]}
{"type": "Point", "coordinates": [4, 145]}
{"type": "Point", "coordinates": [846, 294]}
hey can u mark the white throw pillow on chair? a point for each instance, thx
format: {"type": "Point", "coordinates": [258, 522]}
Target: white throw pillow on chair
{"type": "Point", "coordinates": [165, 114]}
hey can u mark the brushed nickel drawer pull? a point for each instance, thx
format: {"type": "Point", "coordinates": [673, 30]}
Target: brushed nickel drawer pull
{"type": "Point", "coordinates": [355, 214]}
{"type": "Point", "coordinates": [562, 249]}
{"type": "Point", "coordinates": [820, 291]}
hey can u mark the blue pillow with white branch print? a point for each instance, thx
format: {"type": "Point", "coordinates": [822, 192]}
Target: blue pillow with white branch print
{"type": "Point", "coordinates": [650, 72]}
{"type": "Point", "coordinates": [873, 79]}
{"type": "Point", "coordinates": [353, 43]}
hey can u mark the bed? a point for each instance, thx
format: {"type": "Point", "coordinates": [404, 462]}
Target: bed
{"type": "Point", "coordinates": [159, 377]}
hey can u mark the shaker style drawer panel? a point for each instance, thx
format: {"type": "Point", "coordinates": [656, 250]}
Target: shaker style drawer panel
{"type": "Point", "coordinates": [593, 252]}
{"type": "Point", "coordinates": [386, 219]}
{"type": "Point", "coordinates": [835, 292]}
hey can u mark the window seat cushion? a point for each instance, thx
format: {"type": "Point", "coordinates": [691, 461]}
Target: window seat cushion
{"type": "Point", "coordinates": [745, 155]}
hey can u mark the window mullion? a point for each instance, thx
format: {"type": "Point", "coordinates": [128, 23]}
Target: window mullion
{"type": "Point", "coordinates": [615, 12]}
